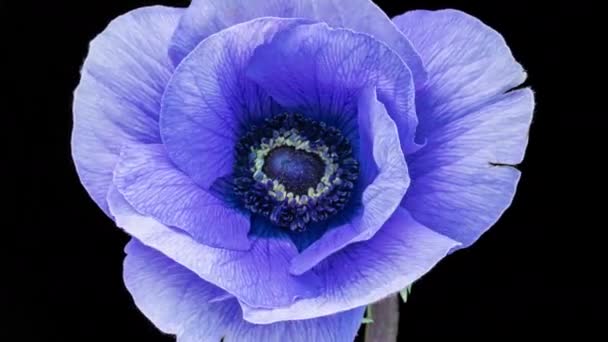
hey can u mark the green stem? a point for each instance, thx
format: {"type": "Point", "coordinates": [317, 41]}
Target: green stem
{"type": "Point", "coordinates": [386, 321]}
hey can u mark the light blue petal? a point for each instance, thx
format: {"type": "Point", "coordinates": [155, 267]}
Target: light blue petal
{"type": "Point", "coordinates": [206, 17]}
{"type": "Point", "coordinates": [470, 125]}
{"type": "Point", "coordinates": [118, 98]}
{"type": "Point", "coordinates": [241, 273]}
{"type": "Point", "coordinates": [320, 71]}
{"type": "Point", "coordinates": [153, 186]}
{"type": "Point", "coordinates": [460, 185]}
{"type": "Point", "coordinates": [178, 302]}
{"type": "Point", "coordinates": [384, 175]}
{"type": "Point", "coordinates": [209, 103]}
{"type": "Point", "coordinates": [400, 253]}
{"type": "Point", "coordinates": [468, 65]}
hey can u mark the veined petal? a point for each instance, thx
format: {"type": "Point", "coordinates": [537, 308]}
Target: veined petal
{"type": "Point", "coordinates": [365, 272]}
{"type": "Point", "coordinates": [472, 128]}
{"type": "Point", "coordinates": [468, 65]}
{"type": "Point", "coordinates": [178, 302]}
{"type": "Point", "coordinates": [206, 17]}
{"type": "Point", "coordinates": [383, 175]}
{"type": "Point", "coordinates": [209, 102]}
{"type": "Point", "coordinates": [320, 71]}
{"type": "Point", "coordinates": [118, 98]}
{"type": "Point", "coordinates": [240, 273]}
{"type": "Point", "coordinates": [464, 179]}
{"type": "Point", "coordinates": [154, 186]}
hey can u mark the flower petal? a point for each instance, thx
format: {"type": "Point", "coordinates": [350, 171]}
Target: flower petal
{"type": "Point", "coordinates": [460, 183]}
{"type": "Point", "coordinates": [206, 17]}
{"type": "Point", "coordinates": [240, 273]}
{"type": "Point", "coordinates": [153, 186]}
{"type": "Point", "coordinates": [118, 98]}
{"type": "Point", "coordinates": [468, 65]}
{"type": "Point", "coordinates": [400, 253]}
{"type": "Point", "coordinates": [320, 71]}
{"type": "Point", "coordinates": [178, 302]}
{"type": "Point", "coordinates": [384, 175]}
{"type": "Point", "coordinates": [209, 102]}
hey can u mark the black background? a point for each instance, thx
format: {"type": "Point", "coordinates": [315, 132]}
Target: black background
{"type": "Point", "coordinates": [534, 274]}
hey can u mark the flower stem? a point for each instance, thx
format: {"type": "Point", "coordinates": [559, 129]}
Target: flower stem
{"type": "Point", "coordinates": [386, 321]}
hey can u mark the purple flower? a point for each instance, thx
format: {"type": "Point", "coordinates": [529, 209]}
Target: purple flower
{"type": "Point", "coordinates": [281, 164]}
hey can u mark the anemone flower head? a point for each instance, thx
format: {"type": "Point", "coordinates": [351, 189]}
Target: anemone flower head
{"type": "Point", "coordinates": [281, 164]}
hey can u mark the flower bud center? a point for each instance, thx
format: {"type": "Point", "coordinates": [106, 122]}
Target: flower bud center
{"type": "Point", "coordinates": [294, 171]}
{"type": "Point", "coordinates": [298, 170]}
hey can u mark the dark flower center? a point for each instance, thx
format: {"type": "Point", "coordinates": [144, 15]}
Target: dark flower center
{"type": "Point", "coordinates": [294, 171]}
{"type": "Point", "coordinates": [297, 170]}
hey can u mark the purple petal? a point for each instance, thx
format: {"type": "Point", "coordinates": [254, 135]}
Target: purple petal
{"type": "Point", "coordinates": [118, 98]}
{"type": "Point", "coordinates": [383, 172]}
{"type": "Point", "coordinates": [400, 253]}
{"type": "Point", "coordinates": [209, 103]}
{"type": "Point", "coordinates": [153, 186]}
{"type": "Point", "coordinates": [468, 64]}
{"type": "Point", "coordinates": [320, 71]}
{"type": "Point", "coordinates": [178, 302]}
{"type": "Point", "coordinates": [206, 17]}
{"type": "Point", "coordinates": [240, 273]}
{"type": "Point", "coordinates": [460, 186]}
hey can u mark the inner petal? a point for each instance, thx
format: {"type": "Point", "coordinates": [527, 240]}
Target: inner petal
{"type": "Point", "coordinates": [208, 102]}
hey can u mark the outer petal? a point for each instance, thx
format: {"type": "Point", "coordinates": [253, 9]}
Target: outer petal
{"type": "Point", "coordinates": [206, 17]}
{"type": "Point", "coordinates": [153, 186]}
{"type": "Point", "coordinates": [240, 273]}
{"type": "Point", "coordinates": [468, 64]}
{"type": "Point", "coordinates": [383, 172]}
{"type": "Point", "coordinates": [118, 98]}
{"type": "Point", "coordinates": [321, 71]}
{"type": "Point", "coordinates": [460, 185]}
{"type": "Point", "coordinates": [178, 302]}
{"type": "Point", "coordinates": [401, 252]}
{"type": "Point", "coordinates": [209, 102]}
{"type": "Point", "coordinates": [468, 122]}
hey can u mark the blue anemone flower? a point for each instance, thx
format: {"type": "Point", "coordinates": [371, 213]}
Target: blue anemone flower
{"type": "Point", "coordinates": [281, 164]}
